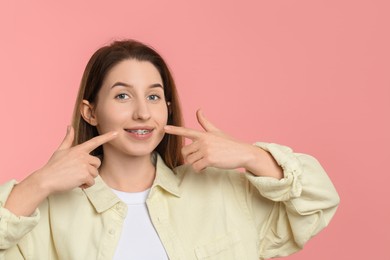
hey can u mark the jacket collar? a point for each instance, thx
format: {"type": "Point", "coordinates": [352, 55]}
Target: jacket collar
{"type": "Point", "coordinates": [102, 197]}
{"type": "Point", "coordinates": [166, 178]}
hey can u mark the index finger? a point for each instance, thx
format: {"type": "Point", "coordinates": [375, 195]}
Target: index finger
{"type": "Point", "coordinates": [97, 141]}
{"type": "Point", "coordinates": [182, 131]}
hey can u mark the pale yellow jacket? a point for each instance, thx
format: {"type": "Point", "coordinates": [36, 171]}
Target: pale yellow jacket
{"type": "Point", "coordinates": [217, 214]}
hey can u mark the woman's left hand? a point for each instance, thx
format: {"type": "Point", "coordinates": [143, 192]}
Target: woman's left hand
{"type": "Point", "coordinates": [213, 148]}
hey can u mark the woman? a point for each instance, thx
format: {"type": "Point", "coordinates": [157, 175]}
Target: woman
{"type": "Point", "coordinates": [137, 200]}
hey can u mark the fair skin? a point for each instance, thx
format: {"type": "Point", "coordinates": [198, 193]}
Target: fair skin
{"type": "Point", "coordinates": [68, 168]}
{"type": "Point", "coordinates": [131, 115]}
{"type": "Point", "coordinates": [131, 99]}
{"type": "Point", "coordinates": [214, 148]}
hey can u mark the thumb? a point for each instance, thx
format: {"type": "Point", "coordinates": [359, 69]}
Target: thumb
{"type": "Point", "coordinates": [68, 140]}
{"type": "Point", "coordinates": [207, 125]}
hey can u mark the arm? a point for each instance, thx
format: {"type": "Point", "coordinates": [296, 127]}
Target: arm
{"type": "Point", "coordinates": [213, 148]}
{"type": "Point", "coordinates": [68, 168]}
{"type": "Point", "coordinates": [12, 227]}
{"type": "Point", "coordinates": [305, 202]}
{"type": "Point", "coordinates": [304, 198]}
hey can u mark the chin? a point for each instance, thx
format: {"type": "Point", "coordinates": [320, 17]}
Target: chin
{"type": "Point", "coordinates": [140, 151]}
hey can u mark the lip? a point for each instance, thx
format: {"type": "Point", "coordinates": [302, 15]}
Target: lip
{"type": "Point", "coordinates": [138, 136]}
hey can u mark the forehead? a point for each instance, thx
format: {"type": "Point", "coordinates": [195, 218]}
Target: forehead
{"type": "Point", "coordinates": [133, 72]}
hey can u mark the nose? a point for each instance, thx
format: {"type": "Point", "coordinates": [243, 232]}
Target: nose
{"type": "Point", "coordinates": [141, 111]}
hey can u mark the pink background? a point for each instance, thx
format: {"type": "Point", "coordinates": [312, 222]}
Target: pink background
{"type": "Point", "coordinates": [313, 75]}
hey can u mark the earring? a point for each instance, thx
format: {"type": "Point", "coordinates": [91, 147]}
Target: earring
{"type": "Point", "coordinates": [169, 108]}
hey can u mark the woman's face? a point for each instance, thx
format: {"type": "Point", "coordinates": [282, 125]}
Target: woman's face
{"type": "Point", "coordinates": [131, 102]}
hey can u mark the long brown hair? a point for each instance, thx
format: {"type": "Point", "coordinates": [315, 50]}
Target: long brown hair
{"type": "Point", "coordinates": [96, 70]}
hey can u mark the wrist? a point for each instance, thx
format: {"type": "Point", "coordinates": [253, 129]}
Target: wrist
{"type": "Point", "coordinates": [39, 183]}
{"type": "Point", "coordinates": [261, 163]}
{"type": "Point", "coordinates": [253, 162]}
{"type": "Point", "coordinates": [27, 195]}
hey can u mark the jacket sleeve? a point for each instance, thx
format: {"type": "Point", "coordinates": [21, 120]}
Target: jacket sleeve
{"type": "Point", "coordinates": [305, 201]}
{"type": "Point", "coordinates": [13, 228]}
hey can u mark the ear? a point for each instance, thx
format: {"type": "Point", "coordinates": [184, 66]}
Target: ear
{"type": "Point", "coordinates": [88, 113]}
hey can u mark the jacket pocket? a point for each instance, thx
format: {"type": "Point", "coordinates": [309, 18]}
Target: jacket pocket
{"type": "Point", "coordinates": [227, 247]}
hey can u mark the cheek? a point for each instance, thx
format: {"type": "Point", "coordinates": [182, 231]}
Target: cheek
{"type": "Point", "coordinates": [112, 117]}
{"type": "Point", "coordinates": [161, 115]}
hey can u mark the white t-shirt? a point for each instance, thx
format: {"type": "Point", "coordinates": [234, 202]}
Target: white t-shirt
{"type": "Point", "coordinates": [139, 239]}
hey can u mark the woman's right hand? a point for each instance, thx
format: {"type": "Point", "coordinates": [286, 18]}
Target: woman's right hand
{"type": "Point", "coordinates": [71, 167]}
{"type": "Point", "coordinates": [68, 168]}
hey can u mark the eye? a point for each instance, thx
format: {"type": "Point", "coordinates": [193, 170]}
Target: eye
{"type": "Point", "coordinates": [122, 96]}
{"type": "Point", "coordinates": [153, 97]}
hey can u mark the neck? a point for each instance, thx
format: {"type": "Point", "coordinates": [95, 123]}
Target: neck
{"type": "Point", "coordinates": [127, 173]}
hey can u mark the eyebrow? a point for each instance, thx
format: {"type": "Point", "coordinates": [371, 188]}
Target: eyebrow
{"type": "Point", "coordinates": [155, 85]}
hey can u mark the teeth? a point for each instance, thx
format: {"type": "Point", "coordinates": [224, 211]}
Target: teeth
{"type": "Point", "coordinates": [140, 131]}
